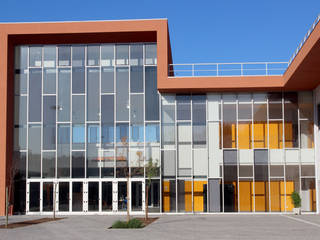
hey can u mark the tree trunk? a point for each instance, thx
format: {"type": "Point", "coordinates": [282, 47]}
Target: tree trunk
{"type": "Point", "coordinates": [147, 202]}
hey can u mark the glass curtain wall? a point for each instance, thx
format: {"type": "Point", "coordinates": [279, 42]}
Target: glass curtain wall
{"type": "Point", "coordinates": [84, 112]}
{"type": "Point", "coordinates": [250, 151]}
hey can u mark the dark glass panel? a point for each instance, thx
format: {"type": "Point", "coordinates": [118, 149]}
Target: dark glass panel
{"type": "Point", "coordinates": [78, 109]}
{"type": "Point", "coordinates": [106, 196]}
{"type": "Point", "coordinates": [63, 151]}
{"type": "Point", "coordinates": [183, 107]}
{"type": "Point", "coordinates": [64, 55]}
{"type": "Point", "coordinates": [122, 96]}
{"type": "Point", "coordinates": [49, 80]}
{"type": "Point", "coordinates": [21, 57]}
{"type": "Point", "coordinates": [230, 181]}
{"type": "Point", "coordinates": [64, 196]}
{"type": "Point", "coordinates": [77, 197]}
{"type": "Point", "coordinates": [93, 105]}
{"type": "Point", "coordinates": [136, 109]}
{"type": "Point", "coordinates": [150, 54]}
{"type": "Point", "coordinates": [151, 94]}
{"type": "Point", "coordinates": [107, 55]}
{"type": "Point", "coordinates": [136, 79]}
{"type": "Point", "coordinates": [93, 138]}
{"type": "Point", "coordinates": [49, 56]}
{"type": "Point", "coordinates": [34, 197]}
{"type": "Point", "coordinates": [276, 170]}
{"type": "Point", "coordinates": [107, 109]}
{"type": "Point", "coordinates": [136, 54]}
{"type": "Point", "coordinates": [64, 99]}
{"type": "Point", "coordinates": [78, 56]}
{"type": "Point", "coordinates": [199, 120]}
{"type": "Point", "coordinates": [93, 196]}
{"type": "Point", "coordinates": [292, 179]}
{"type": "Point", "coordinates": [308, 170]}
{"type": "Point", "coordinates": [34, 151]}
{"type": "Point", "coordinates": [47, 197]}
{"type": "Point", "coordinates": [122, 54]}
{"type": "Point", "coordinates": [78, 80]}
{"type": "Point", "coordinates": [291, 120]}
{"type": "Point", "coordinates": [35, 56]}
{"type": "Point", "coordinates": [261, 165]}
{"type": "Point", "coordinates": [48, 164]}
{"type": "Point", "coordinates": [107, 80]}
{"type": "Point", "coordinates": [185, 196]}
{"type": "Point", "coordinates": [49, 123]}
{"type": "Point", "coordinates": [20, 81]}
{"type": "Point", "coordinates": [122, 196]}
{"type": "Point", "coordinates": [245, 111]}
{"type": "Point", "coordinates": [35, 86]}
{"type": "Point", "coordinates": [136, 196]}
{"type": "Point", "coordinates": [93, 55]}
{"type": "Point", "coordinates": [154, 196]}
{"type": "Point", "coordinates": [78, 164]}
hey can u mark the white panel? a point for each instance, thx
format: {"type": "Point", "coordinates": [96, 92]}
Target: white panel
{"type": "Point", "coordinates": [276, 156]}
{"type": "Point", "coordinates": [305, 200]}
{"type": "Point", "coordinates": [213, 107]}
{"type": "Point", "coordinates": [184, 133]}
{"type": "Point", "coordinates": [200, 162]}
{"type": "Point", "coordinates": [184, 156]}
{"type": "Point", "coordinates": [215, 154]}
{"type": "Point", "coordinates": [307, 155]}
{"type": "Point", "coordinates": [246, 156]}
{"type": "Point", "coordinates": [292, 156]}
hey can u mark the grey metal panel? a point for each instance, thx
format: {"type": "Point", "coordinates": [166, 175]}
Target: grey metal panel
{"type": "Point", "coordinates": [214, 195]}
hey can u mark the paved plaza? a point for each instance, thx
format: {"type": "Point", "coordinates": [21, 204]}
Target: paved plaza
{"type": "Point", "coordinates": [226, 226]}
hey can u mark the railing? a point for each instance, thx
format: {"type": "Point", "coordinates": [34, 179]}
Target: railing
{"type": "Point", "coordinates": [228, 69]}
{"type": "Point", "coordinates": [304, 39]}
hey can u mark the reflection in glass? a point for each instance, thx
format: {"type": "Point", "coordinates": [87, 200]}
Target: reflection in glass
{"type": "Point", "coordinates": [93, 157]}
{"type": "Point", "coordinates": [93, 105]}
{"type": "Point", "coordinates": [93, 55]}
{"type": "Point", "coordinates": [78, 164]}
{"type": "Point", "coordinates": [183, 107]}
{"type": "Point", "coordinates": [107, 55]}
{"type": "Point", "coordinates": [64, 86]}
{"type": "Point", "coordinates": [122, 54]}
{"type": "Point", "coordinates": [64, 55]}
{"type": "Point", "coordinates": [35, 56]}
{"type": "Point", "coordinates": [107, 79]}
{"type": "Point", "coordinates": [78, 56]}
{"type": "Point", "coordinates": [49, 56]}
{"type": "Point", "coordinates": [48, 164]}
{"type": "Point", "coordinates": [63, 151]}
{"type": "Point", "coordinates": [34, 155]}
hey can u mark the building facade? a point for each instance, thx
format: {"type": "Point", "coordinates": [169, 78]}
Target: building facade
{"type": "Point", "coordinates": [89, 110]}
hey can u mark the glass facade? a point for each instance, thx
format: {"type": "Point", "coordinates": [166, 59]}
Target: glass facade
{"type": "Point", "coordinates": [89, 118]}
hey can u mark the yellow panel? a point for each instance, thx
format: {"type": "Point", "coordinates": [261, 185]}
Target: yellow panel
{"type": "Point", "coordinates": [244, 132]}
{"type": "Point", "coordinates": [260, 133]}
{"type": "Point", "coordinates": [188, 196]}
{"type": "Point", "coordinates": [166, 196]}
{"type": "Point", "coordinates": [234, 136]}
{"type": "Point", "coordinates": [198, 195]}
{"type": "Point", "coordinates": [245, 196]}
{"type": "Point", "coordinates": [288, 135]}
{"type": "Point", "coordinates": [260, 196]}
{"type": "Point", "coordinates": [275, 196]}
{"type": "Point", "coordinates": [289, 190]}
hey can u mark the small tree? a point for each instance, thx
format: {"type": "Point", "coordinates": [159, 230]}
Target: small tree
{"type": "Point", "coordinates": [152, 170]}
{"type": "Point", "coordinates": [296, 199]}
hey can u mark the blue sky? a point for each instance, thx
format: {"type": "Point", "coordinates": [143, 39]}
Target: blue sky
{"type": "Point", "coordinates": [200, 31]}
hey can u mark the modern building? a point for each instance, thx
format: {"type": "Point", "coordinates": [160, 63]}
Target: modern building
{"type": "Point", "coordinates": [87, 108]}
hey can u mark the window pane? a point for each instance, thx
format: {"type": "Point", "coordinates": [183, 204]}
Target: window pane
{"type": "Point", "coordinates": [49, 53]}
{"type": "Point", "coordinates": [49, 122]}
{"type": "Point", "coordinates": [122, 54]}
{"type": "Point", "coordinates": [199, 120]}
{"type": "Point", "coordinates": [93, 158]}
{"type": "Point", "coordinates": [93, 196]}
{"type": "Point", "coordinates": [261, 165]}
{"type": "Point", "coordinates": [169, 195]}
{"type": "Point", "coordinates": [20, 110]}
{"type": "Point", "coordinates": [93, 55]}
{"type": "Point", "coordinates": [260, 127]}
{"type": "Point", "coordinates": [20, 81]}
{"type": "Point", "coordinates": [35, 86]}
{"type": "Point", "coordinates": [306, 132]}
{"type": "Point", "coordinates": [34, 156]}
{"type": "Point", "coordinates": [168, 159]}
{"type": "Point", "coordinates": [64, 86]}
{"type": "Point", "coordinates": [35, 59]}
{"type": "Point", "coordinates": [230, 180]}
{"type": "Point", "coordinates": [77, 197]}
{"type": "Point", "coordinates": [151, 94]}
{"type": "Point", "coordinates": [93, 106]}
{"type": "Point", "coordinates": [106, 196]}
{"type": "Point", "coordinates": [291, 120]}
{"type": "Point", "coordinates": [64, 55]}
{"type": "Point", "coordinates": [151, 54]}
{"type": "Point", "coordinates": [168, 126]}
{"type": "Point", "coordinates": [78, 109]}
{"type": "Point", "coordinates": [122, 95]}
{"type": "Point", "coordinates": [136, 54]}
{"type": "Point", "coordinates": [21, 57]}
{"type": "Point", "coordinates": [78, 56]}
{"type": "Point", "coordinates": [245, 111]}
{"type": "Point", "coordinates": [78, 136]}
{"type": "Point", "coordinates": [107, 80]}
{"type": "Point", "coordinates": [107, 164]}
{"type": "Point", "coordinates": [48, 164]}
{"type": "Point", "coordinates": [64, 195]}
{"type": "Point", "coordinates": [63, 151]}
{"type": "Point", "coordinates": [122, 149]}
{"type": "Point", "coordinates": [49, 80]}
{"type": "Point", "coordinates": [229, 126]}
{"type": "Point", "coordinates": [34, 195]}
{"type": "Point", "coordinates": [78, 81]}
{"type": "Point", "coordinates": [107, 55]}
{"type": "Point", "coordinates": [136, 109]}
{"type": "Point", "coordinates": [305, 105]}
{"type": "Point", "coordinates": [136, 79]}
{"type": "Point", "coordinates": [183, 107]}
{"type": "Point", "coordinates": [47, 197]}
{"type": "Point", "coordinates": [185, 196]}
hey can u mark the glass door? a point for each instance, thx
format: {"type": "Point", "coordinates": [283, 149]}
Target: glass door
{"type": "Point", "coordinates": [106, 196]}
{"type": "Point", "coordinates": [136, 196]}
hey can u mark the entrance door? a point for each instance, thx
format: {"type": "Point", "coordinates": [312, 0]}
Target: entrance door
{"type": "Point", "coordinates": [136, 196]}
